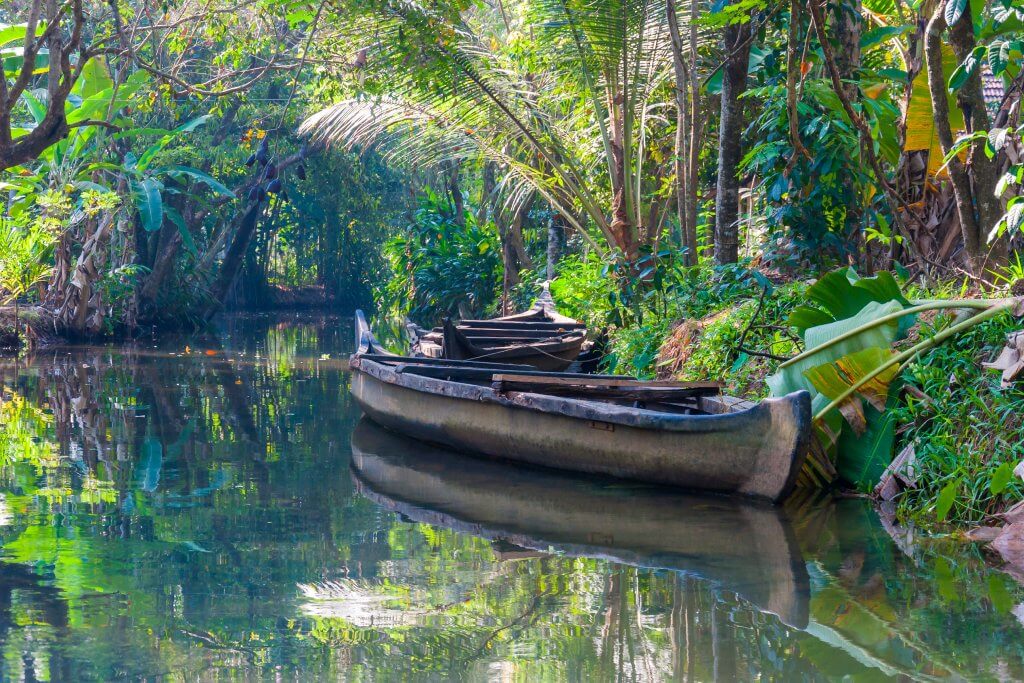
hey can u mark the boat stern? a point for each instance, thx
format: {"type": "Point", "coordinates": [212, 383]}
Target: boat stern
{"type": "Point", "coordinates": [785, 446]}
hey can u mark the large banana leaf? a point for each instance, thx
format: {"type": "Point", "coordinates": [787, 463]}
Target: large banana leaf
{"type": "Point", "coordinates": [860, 452]}
{"type": "Point", "coordinates": [10, 33]}
{"type": "Point", "coordinates": [792, 377]}
{"type": "Point", "coordinates": [95, 78]}
{"type": "Point", "coordinates": [920, 123]}
{"type": "Point", "coordinates": [842, 294]}
{"type": "Point", "coordinates": [862, 458]}
{"type": "Point", "coordinates": [149, 203]}
{"type": "Point", "coordinates": [833, 379]}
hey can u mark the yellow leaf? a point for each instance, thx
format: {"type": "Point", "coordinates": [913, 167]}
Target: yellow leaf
{"type": "Point", "coordinates": [834, 379]}
{"type": "Point", "coordinates": [920, 132]}
{"type": "Point", "coordinates": [874, 91]}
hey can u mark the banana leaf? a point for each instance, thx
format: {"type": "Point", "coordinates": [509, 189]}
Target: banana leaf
{"type": "Point", "coordinates": [792, 378]}
{"type": "Point", "coordinates": [842, 294]}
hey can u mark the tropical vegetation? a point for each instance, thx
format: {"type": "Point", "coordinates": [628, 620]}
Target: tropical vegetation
{"type": "Point", "coordinates": [783, 195]}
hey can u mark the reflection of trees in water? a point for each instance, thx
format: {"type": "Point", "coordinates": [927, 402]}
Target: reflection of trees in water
{"type": "Point", "coordinates": [875, 613]}
{"type": "Point", "coordinates": [168, 499]}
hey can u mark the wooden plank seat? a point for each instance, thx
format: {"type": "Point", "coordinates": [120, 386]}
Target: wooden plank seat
{"type": "Point", "coordinates": [604, 387]}
{"type": "Point", "coordinates": [444, 370]}
{"type": "Point", "coordinates": [475, 333]}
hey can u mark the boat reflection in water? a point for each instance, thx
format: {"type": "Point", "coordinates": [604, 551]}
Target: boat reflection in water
{"type": "Point", "coordinates": [740, 546]}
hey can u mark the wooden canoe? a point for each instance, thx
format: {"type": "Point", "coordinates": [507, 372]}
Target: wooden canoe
{"type": "Point", "coordinates": [743, 547]}
{"type": "Point", "coordinates": [552, 351]}
{"type": "Point", "coordinates": [540, 337]}
{"type": "Point", "coordinates": [677, 435]}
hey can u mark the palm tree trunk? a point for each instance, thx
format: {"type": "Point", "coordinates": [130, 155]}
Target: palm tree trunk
{"type": "Point", "coordinates": [847, 23]}
{"type": "Point", "coordinates": [684, 121]}
{"type": "Point", "coordinates": [984, 172]}
{"type": "Point", "coordinates": [736, 41]}
{"type": "Point", "coordinates": [696, 132]}
{"type": "Point", "coordinates": [556, 233]}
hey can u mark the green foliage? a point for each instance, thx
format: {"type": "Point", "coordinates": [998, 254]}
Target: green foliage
{"type": "Point", "coordinates": [843, 345]}
{"type": "Point", "coordinates": [639, 318]}
{"type": "Point", "coordinates": [441, 268]}
{"type": "Point", "coordinates": [25, 252]}
{"type": "Point", "coordinates": [812, 206]}
{"type": "Point", "coordinates": [717, 353]}
{"type": "Point", "coordinates": [959, 421]}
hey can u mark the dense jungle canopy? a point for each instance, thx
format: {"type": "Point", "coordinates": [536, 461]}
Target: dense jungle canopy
{"type": "Point", "coordinates": [676, 169]}
{"type": "Point", "coordinates": [463, 148]}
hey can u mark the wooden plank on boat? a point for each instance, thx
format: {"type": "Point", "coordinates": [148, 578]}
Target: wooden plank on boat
{"type": "Point", "coordinates": [501, 340]}
{"type": "Point", "coordinates": [513, 335]}
{"type": "Point", "coordinates": [447, 362]}
{"type": "Point", "coordinates": [524, 325]}
{"type": "Point", "coordinates": [605, 388]}
{"type": "Point", "coordinates": [467, 372]}
{"type": "Point", "coordinates": [605, 381]}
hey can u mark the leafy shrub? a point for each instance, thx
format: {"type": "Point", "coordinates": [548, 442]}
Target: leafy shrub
{"type": "Point", "coordinates": [26, 248]}
{"type": "Point", "coordinates": [640, 319]}
{"type": "Point", "coordinates": [964, 427]}
{"type": "Point", "coordinates": [716, 352]}
{"type": "Point", "coordinates": [440, 268]}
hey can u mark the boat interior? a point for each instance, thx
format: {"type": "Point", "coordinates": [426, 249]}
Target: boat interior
{"type": "Point", "coordinates": [495, 333]}
{"type": "Point", "coordinates": [682, 398]}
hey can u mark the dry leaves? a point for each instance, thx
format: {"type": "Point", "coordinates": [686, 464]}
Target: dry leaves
{"type": "Point", "coordinates": [1011, 359]}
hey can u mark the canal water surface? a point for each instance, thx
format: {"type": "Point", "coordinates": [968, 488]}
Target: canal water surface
{"type": "Point", "coordinates": [212, 507]}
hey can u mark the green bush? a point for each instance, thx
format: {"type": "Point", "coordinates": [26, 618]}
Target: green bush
{"type": "Point", "coordinates": [440, 268]}
{"type": "Point", "coordinates": [639, 323]}
{"type": "Point", "coordinates": [964, 427]}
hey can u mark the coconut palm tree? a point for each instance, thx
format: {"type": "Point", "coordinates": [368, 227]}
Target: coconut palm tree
{"type": "Point", "coordinates": [465, 88]}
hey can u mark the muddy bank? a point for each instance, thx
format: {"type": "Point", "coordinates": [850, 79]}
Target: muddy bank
{"type": "Point", "coordinates": [26, 327]}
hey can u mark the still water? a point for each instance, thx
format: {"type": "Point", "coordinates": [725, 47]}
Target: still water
{"type": "Point", "coordinates": [212, 507]}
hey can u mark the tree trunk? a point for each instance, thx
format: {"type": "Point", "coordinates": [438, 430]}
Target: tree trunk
{"type": "Point", "coordinates": [458, 202]}
{"type": "Point", "coordinates": [513, 253]}
{"type": "Point", "coordinates": [488, 183]}
{"type": "Point", "coordinates": [736, 44]}
{"type": "Point", "coordinates": [80, 306]}
{"type": "Point", "coordinates": [162, 267]}
{"type": "Point", "coordinates": [236, 252]}
{"type": "Point", "coordinates": [622, 228]}
{"type": "Point", "coordinates": [847, 22]}
{"type": "Point", "coordinates": [515, 233]}
{"type": "Point", "coordinates": [976, 211]}
{"type": "Point", "coordinates": [983, 172]}
{"type": "Point", "coordinates": [684, 121]}
{"type": "Point", "coordinates": [556, 233]}
{"type": "Point", "coordinates": [696, 132]}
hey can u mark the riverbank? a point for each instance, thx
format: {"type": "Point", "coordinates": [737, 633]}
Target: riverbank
{"type": "Point", "coordinates": [955, 426]}
{"type": "Point", "coordinates": [24, 327]}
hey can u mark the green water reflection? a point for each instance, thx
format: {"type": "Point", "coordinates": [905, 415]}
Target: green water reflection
{"type": "Point", "coordinates": [211, 507]}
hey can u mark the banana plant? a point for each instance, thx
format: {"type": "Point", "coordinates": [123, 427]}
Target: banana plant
{"type": "Point", "coordinates": [147, 181]}
{"type": "Point", "coordinates": [851, 370]}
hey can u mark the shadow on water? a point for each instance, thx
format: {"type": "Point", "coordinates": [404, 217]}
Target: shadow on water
{"type": "Point", "coordinates": [192, 510]}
